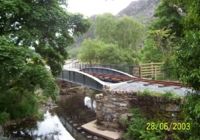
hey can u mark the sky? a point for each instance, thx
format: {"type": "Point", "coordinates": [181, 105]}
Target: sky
{"type": "Point", "coordinates": [93, 7]}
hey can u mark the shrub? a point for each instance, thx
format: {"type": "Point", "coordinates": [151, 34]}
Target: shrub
{"type": "Point", "coordinates": [137, 128]}
{"type": "Point", "coordinates": [192, 112]}
{"type": "Point", "coordinates": [4, 116]}
{"type": "Point", "coordinates": [22, 73]}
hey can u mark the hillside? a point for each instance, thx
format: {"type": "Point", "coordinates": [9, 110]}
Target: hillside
{"type": "Point", "coordinates": [141, 10]}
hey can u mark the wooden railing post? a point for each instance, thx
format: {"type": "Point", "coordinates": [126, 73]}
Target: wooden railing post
{"type": "Point", "coordinates": [140, 72]}
{"type": "Point", "coordinates": [155, 74]}
{"type": "Point", "coordinates": [152, 71]}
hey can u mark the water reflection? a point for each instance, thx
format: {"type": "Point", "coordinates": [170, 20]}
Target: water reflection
{"type": "Point", "coordinates": [89, 102]}
{"type": "Point", "coordinates": [51, 129]}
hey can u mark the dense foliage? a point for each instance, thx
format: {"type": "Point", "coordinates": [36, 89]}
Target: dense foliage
{"type": "Point", "coordinates": [23, 79]}
{"type": "Point", "coordinates": [168, 16]}
{"type": "Point", "coordinates": [124, 31]}
{"type": "Point", "coordinates": [189, 50]}
{"type": "Point", "coordinates": [42, 24]}
{"type": "Point", "coordinates": [157, 46]}
{"type": "Point", "coordinates": [34, 35]}
{"type": "Point", "coordinates": [182, 19]}
{"type": "Point", "coordinates": [98, 52]}
{"type": "Point", "coordinates": [188, 62]}
{"type": "Point", "coordinates": [93, 51]}
{"type": "Point", "coordinates": [117, 41]}
{"type": "Point", "coordinates": [192, 111]}
{"type": "Point", "coordinates": [189, 58]}
{"type": "Point", "coordinates": [137, 128]}
{"type": "Point", "coordinates": [182, 51]}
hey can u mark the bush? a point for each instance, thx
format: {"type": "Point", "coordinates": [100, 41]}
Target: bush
{"type": "Point", "coordinates": [192, 112]}
{"type": "Point", "coordinates": [137, 128]}
{"type": "Point", "coordinates": [23, 72]}
{"type": "Point", "coordinates": [99, 52]}
{"type": "Point", "coordinates": [188, 59]}
{"type": "Point", "coordinates": [169, 68]}
{"type": "Point", "coordinates": [4, 116]}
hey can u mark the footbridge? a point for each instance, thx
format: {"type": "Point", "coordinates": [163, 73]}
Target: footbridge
{"type": "Point", "coordinates": [96, 78]}
{"type": "Point", "coordinates": [101, 78]}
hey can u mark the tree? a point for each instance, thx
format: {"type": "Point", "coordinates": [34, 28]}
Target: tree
{"type": "Point", "coordinates": [163, 40]}
{"type": "Point", "coordinates": [167, 27]}
{"type": "Point", "coordinates": [43, 25]}
{"type": "Point", "coordinates": [117, 41]}
{"type": "Point", "coordinates": [189, 58]}
{"type": "Point", "coordinates": [150, 52]}
{"type": "Point", "coordinates": [188, 55]}
{"type": "Point", "coordinates": [165, 33]}
{"type": "Point", "coordinates": [158, 45]}
{"type": "Point", "coordinates": [96, 51]}
{"type": "Point", "coordinates": [89, 51]}
{"type": "Point", "coordinates": [129, 33]}
{"type": "Point", "coordinates": [110, 54]}
{"type": "Point", "coordinates": [192, 17]}
{"type": "Point", "coordinates": [124, 32]}
{"type": "Point", "coordinates": [23, 75]}
{"type": "Point", "coordinates": [168, 16]}
{"type": "Point", "coordinates": [105, 26]}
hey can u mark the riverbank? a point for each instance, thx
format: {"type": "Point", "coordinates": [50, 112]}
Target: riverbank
{"type": "Point", "coordinates": [67, 115]}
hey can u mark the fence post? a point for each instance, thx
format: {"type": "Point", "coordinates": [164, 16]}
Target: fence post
{"type": "Point", "coordinates": [152, 71]}
{"type": "Point", "coordinates": [155, 74]}
{"type": "Point", "coordinates": [140, 72]}
{"type": "Point", "coordinates": [130, 70]}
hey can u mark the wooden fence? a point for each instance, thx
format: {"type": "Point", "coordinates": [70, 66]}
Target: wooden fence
{"type": "Point", "coordinates": [149, 70]}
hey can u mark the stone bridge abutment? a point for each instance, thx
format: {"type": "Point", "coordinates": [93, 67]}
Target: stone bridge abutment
{"type": "Point", "coordinates": [112, 106]}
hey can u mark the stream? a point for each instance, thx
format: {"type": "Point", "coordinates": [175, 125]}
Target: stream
{"type": "Point", "coordinates": [52, 127]}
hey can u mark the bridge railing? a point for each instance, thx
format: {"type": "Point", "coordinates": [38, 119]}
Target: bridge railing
{"type": "Point", "coordinates": [122, 67]}
{"type": "Point", "coordinates": [80, 78]}
{"type": "Point", "coordinates": [149, 70]}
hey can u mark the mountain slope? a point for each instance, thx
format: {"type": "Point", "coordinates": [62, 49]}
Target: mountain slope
{"type": "Point", "coordinates": [141, 10]}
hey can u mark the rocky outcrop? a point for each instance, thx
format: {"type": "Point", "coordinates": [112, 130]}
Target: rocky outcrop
{"type": "Point", "coordinates": [141, 10]}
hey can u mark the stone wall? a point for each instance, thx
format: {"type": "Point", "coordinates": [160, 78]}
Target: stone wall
{"type": "Point", "coordinates": [112, 105]}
